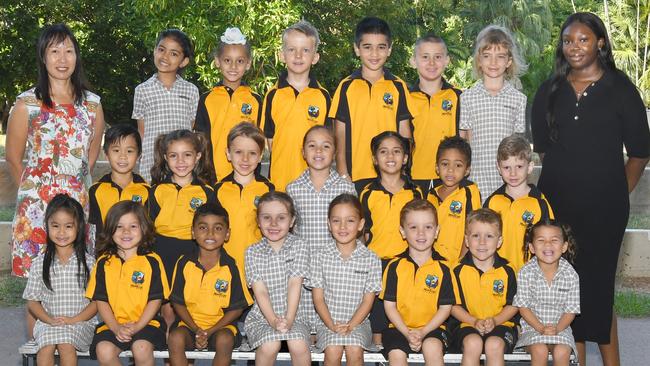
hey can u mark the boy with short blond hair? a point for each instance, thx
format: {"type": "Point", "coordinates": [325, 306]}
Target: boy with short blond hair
{"type": "Point", "coordinates": [520, 204]}
{"type": "Point", "coordinates": [294, 104]}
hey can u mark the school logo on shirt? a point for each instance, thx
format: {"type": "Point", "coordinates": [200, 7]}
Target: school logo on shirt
{"type": "Point", "coordinates": [447, 105]}
{"type": "Point", "coordinates": [388, 99]}
{"type": "Point", "coordinates": [431, 281]}
{"type": "Point", "coordinates": [221, 286]}
{"type": "Point", "coordinates": [497, 287]}
{"type": "Point", "coordinates": [246, 108]}
{"type": "Point", "coordinates": [456, 207]}
{"type": "Point", "coordinates": [313, 111]}
{"type": "Point", "coordinates": [137, 278]}
{"type": "Point", "coordinates": [195, 203]}
{"type": "Point", "coordinates": [136, 198]}
{"type": "Point", "coordinates": [527, 217]}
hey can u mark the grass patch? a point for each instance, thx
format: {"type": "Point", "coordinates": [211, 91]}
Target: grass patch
{"type": "Point", "coordinates": [11, 291]}
{"type": "Point", "coordinates": [7, 213]}
{"type": "Point", "coordinates": [631, 304]}
{"type": "Point", "coordinates": [639, 221]}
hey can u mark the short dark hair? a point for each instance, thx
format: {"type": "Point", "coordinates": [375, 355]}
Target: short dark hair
{"type": "Point", "coordinates": [345, 198]}
{"type": "Point", "coordinates": [372, 25]}
{"type": "Point", "coordinates": [119, 132]}
{"type": "Point", "coordinates": [182, 39]}
{"type": "Point", "coordinates": [458, 143]}
{"type": "Point", "coordinates": [208, 209]}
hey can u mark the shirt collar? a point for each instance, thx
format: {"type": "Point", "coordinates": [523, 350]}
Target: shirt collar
{"type": "Point", "coordinates": [507, 87]}
{"type": "Point", "coordinates": [416, 87]}
{"type": "Point", "coordinates": [434, 256]}
{"type": "Point", "coordinates": [356, 74]}
{"type": "Point", "coordinates": [498, 261]}
{"type": "Point", "coordinates": [195, 181]}
{"type": "Point", "coordinates": [376, 185]}
{"type": "Point", "coordinates": [534, 192]}
{"type": "Point", "coordinates": [283, 83]}
{"type": "Point", "coordinates": [194, 258]}
{"type": "Point", "coordinates": [136, 178]}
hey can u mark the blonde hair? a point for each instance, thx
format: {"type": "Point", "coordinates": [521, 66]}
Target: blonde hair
{"type": "Point", "coordinates": [305, 28]}
{"type": "Point", "coordinates": [496, 35]}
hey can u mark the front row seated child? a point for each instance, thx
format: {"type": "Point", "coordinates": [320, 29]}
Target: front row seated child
{"type": "Point", "coordinates": [417, 292]}
{"type": "Point", "coordinates": [548, 294]}
{"type": "Point", "coordinates": [128, 283]}
{"type": "Point", "coordinates": [275, 269]}
{"type": "Point", "coordinates": [454, 197]}
{"type": "Point", "coordinates": [55, 289]}
{"type": "Point", "coordinates": [519, 203]}
{"type": "Point", "coordinates": [484, 285]}
{"type": "Point", "coordinates": [207, 292]}
{"type": "Point", "coordinates": [122, 146]}
{"type": "Point", "coordinates": [344, 277]}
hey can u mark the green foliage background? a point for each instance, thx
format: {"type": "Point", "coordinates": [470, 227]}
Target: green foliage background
{"type": "Point", "coordinates": [117, 37]}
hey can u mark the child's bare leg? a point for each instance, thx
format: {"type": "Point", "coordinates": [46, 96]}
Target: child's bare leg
{"type": "Point", "coordinates": [224, 343]}
{"type": "Point", "coordinates": [397, 357]}
{"type": "Point", "coordinates": [354, 355]}
{"type": "Point", "coordinates": [581, 347]}
{"type": "Point", "coordinates": [266, 353]}
{"type": "Point", "coordinates": [168, 314]}
{"type": "Point", "coordinates": [299, 350]}
{"type": "Point", "coordinates": [107, 354]}
{"type": "Point", "coordinates": [333, 355]}
{"type": "Point", "coordinates": [67, 354]}
{"type": "Point", "coordinates": [45, 355]}
{"type": "Point", "coordinates": [538, 354]}
{"type": "Point", "coordinates": [472, 349]}
{"type": "Point", "coordinates": [30, 321]}
{"type": "Point", "coordinates": [179, 339]}
{"type": "Point", "coordinates": [561, 354]}
{"type": "Point", "coordinates": [494, 350]}
{"type": "Point", "coordinates": [142, 353]}
{"type": "Point", "coordinates": [433, 352]}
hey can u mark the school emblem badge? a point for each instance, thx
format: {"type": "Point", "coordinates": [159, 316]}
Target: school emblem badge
{"type": "Point", "coordinates": [195, 203]}
{"type": "Point", "coordinates": [447, 105]}
{"type": "Point", "coordinates": [497, 287]}
{"type": "Point", "coordinates": [137, 277]}
{"type": "Point", "coordinates": [313, 111]}
{"type": "Point", "coordinates": [455, 207]}
{"type": "Point", "coordinates": [246, 108]}
{"type": "Point", "coordinates": [136, 198]}
{"type": "Point", "coordinates": [388, 98]}
{"type": "Point", "coordinates": [431, 281]}
{"type": "Point", "coordinates": [527, 217]}
{"type": "Point", "coordinates": [221, 286]}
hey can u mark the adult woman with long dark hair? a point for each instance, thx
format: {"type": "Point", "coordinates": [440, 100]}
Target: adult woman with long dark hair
{"type": "Point", "coordinates": [583, 116]}
{"type": "Point", "coordinates": [60, 125]}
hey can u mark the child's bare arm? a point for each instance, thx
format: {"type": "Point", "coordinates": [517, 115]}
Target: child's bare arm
{"type": "Point", "coordinates": [564, 322]}
{"type": "Point", "coordinates": [363, 310]}
{"type": "Point", "coordinates": [149, 312]}
{"type": "Point", "coordinates": [394, 316]}
{"type": "Point", "coordinates": [87, 313]}
{"type": "Point", "coordinates": [38, 311]}
{"type": "Point", "coordinates": [106, 313]}
{"type": "Point", "coordinates": [461, 314]}
{"type": "Point", "coordinates": [318, 296]}
{"type": "Point", "coordinates": [184, 315]}
{"type": "Point", "coordinates": [531, 319]}
{"type": "Point", "coordinates": [229, 317]}
{"type": "Point", "coordinates": [293, 299]}
{"type": "Point", "coordinates": [441, 315]}
{"type": "Point", "coordinates": [505, 314]}
{"type": "Point", "coordinates": [141, 128]}
{"type": "Point", "coordinates": [404, 129]}
{"type": "Point", "coordinates": [98, 134]}
{"type": "Point", "coordinates": [264, 302]}
{"type": "Point", "coordinates": [465, 134]}
{"type": "Point", "coordinates": [341, 163]}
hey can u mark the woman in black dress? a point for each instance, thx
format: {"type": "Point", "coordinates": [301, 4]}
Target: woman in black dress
{"type": "Point", "coordinates": [582, 118]}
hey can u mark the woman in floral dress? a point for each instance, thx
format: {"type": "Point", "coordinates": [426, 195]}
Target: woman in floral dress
{"type": "Point", "coordinates": [60, 125]}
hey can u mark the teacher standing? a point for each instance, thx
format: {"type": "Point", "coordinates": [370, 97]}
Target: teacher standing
{"type": "Point", "coordinates": [582, 118]}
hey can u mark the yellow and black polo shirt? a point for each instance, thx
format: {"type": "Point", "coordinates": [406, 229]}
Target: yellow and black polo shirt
{"type": "Point", "coordinates": [208, 295]}
{"type": "Point", "coordinates": [381, 212]}
{"type": "Point", "coordinates": [105, 193]}
{"type": "Point", "coordinates": [288, 114]}
{"type": "Point", "coordinates": [452, 212]}
{"type": "Point", "coordinates": [241, 204]}
{"type": "Point", "coordinates": [368, 110]}
{"type": "Point", "coordinates": [411, 287]}
{"type": "Point", "coordinates": [172, 207]}
{"type": "Point", "coordinates": [484, 294]}
{"type": "Point", "coordinates": [218, 112]}
{"type": "Point", "coordinates": [516, 215]}
{"type": "Point", "coordinates": [434, 118]}
{"type": "Point", "coordinates": [127, 286]}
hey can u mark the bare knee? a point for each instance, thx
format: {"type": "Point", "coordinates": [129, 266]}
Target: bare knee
{"type": "Point", "coordinates": [538, 353]}
{"type": "Point", "coordinates": [268, 349]}
{"type": "Point", "coordinates": [354, 355]}
{"type": "Point", "coordinates": [142, 350]}
{"type": "Point", "coordinates": [106, 352]}
{"type": "Point", "coordinates": [561, 354]}
{"type": "Point", "coordinates": [494, 346]}
{"type": "Point", "coordinates": [397, 357]}
{"type": "Point", "coordinates": [176, 340]}
{"type": "Point", "coordinates": [472, 345]}
{"type": "Point", "coordinates": [333, 355]}
{"type": "Point", "coordinates": [224, 341]}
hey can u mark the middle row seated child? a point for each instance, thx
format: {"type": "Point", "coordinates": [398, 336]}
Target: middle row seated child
{"type": "Point", "coordinates": [275, 269]}
{"type": "Point", "coordinates": [178, 177]}
{"type": "Point", "coordinates": [519, 203]}
{"type": "Point", "coordinates": [368, 102]}
{"type": "Point", "coordinates": [294, 104]}
{"type": "Point", "coordinates": [229, 102]}
{"type": "Point", "coordinates": [208, 292]}
{"type": "Point", "coordinates": [344, 277]}
{"type": "Point", "coordinates": [417, 291]}
{"type": "Point", "coordinates": [454, 197]}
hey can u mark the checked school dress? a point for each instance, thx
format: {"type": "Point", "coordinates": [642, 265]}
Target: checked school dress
{"type": "Point", "coordinates": [547, 302]}
{"type": "Point", "coordinates": [65, 299]}
{"type": "Point", "coordinates": [274, 269]}
{"type": "Point", "coordinates": [344, 281]}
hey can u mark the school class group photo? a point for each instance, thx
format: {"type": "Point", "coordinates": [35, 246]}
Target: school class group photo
{"type": "Point", "coordinates": [396, 217]}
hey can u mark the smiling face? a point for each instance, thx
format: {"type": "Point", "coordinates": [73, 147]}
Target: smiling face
{"type": "Point", "coordinates": [244, 154]}
{"type": "Point", "coordinates": [452, 167]}
{"type": "Point", "coordinates": [233, 62]}
{"type": "Point", "coordinates": [390, 156]}
{"type": "Point", "coordinates": [60, 59]}
{"type": "Point", "coordinates": [123, 155]}
{"type": "Point", "coordinates": [181, 158]}
{"type": "Point", "coordinates": [168, 56]}
{"type": "Point", "coordinates": [420, 230]}
{"type": "Point", "coordinates": [345, 223]}
{"type": "Point", "coordinates": [210, 232]}
{"type": "Point", "coordinates": [494, 61]}
{"type": "Point", "coordinates": [373, 51]}
{"type": "Point", "coordinates": [128, 234]}
{"type": "Point", "coordinates": [274, 221]}
{"type": "Point", "coordinates": [515, 171]}
{"type": "Point", "coordinates": [580, 46]}
{"type": "Point", "coordinates": [548, 244]}
{"type": "Point", "coordinates": [483, 239]}
{"type": "Point", "coordinates": [318, 150]}
{"type": "Point", "coordinates": [299, 52]}
{"type": "Point", "coordinates": [62, 228]}
{"type": "Point", "coordinates": [430, 59]}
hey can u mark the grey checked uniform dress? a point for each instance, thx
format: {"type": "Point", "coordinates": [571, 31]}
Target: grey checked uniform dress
{"type": "Point", "coordinates": [490, 119]}
{"type": "Point", "coordinates": [275, 269]}
{"type": "Point", "coordinates": [345, 282]}
{"type": "Point", "coordinates": [163, 111]}
{"type": "Point", "coordinates": [67, 299]}
{"type": "Point", "coordinates": [548, 303]}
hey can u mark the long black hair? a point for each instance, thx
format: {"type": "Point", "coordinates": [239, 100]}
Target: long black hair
{"type": "Point", "coordinates": [53, 35]}
{"type": "Point", "coordinates": [406, 147]}
{"type": "Point", "coordinates": [63, 202]}
{"type": "Point", "coordinates": [562, 67]}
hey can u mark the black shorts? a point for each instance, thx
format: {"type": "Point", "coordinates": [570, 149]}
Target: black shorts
{"type": "Point", "coordinates": [149, 333]}
{"type": "Point", "coordinates": [169, 250]}
{"type": "Point", "coordinates": [211, 339]}
{"type": "Point", "coordinates": [508, 334]}
{"type": "Point", "coordinates": [393, 339]}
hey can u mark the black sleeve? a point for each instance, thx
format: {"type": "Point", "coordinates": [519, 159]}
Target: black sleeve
{"type": "Point", "coordinates": [100, 293]}
{"type": "Point", "coordinates": [259, 108]}
{"type": "Point", "coordinates": [94, 213]}
{"type": "Point", "coordinates": [539, 124]}
{"type": "Point", "coordinates": [269, 124]}
{"type": "Point", "coordinates": [156, 286]}
{"type": "Point", "coordinates": [458, 106]}
{"type": "Point", "coordinates": [152, 203]}
{"type": "Point", "coordinates": [512, 285]}
{"type": "Point", "coordinates": [177, 295]}
{"type": "Point", "coordinates": [636, 135]}
{"type": "Point", "coordinates": [446, 295]}
{"type": "Point", "coordinates": [237, 297]}
{"type": "Point", "coordinates": [402, 106]}
{"type": "Point", "coordinates": [390, 283]}
{"type": "Point", "coordinates": [202, 121]}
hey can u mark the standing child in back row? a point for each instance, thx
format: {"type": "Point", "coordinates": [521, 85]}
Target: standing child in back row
{"type": "Point", "coordinates": [368, 102]}
{"type": "Point", "coordinates": [294, 104]}
{"type": "Point", "coordinates": [229, 102]}
{"type": "Point", "coordinates": [165, 102]}
{"type": "Point", "coordinates": [493, 108]}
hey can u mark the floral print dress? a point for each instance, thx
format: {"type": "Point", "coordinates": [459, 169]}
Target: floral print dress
{"type": "Point", "coordinates": [58, 142]}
